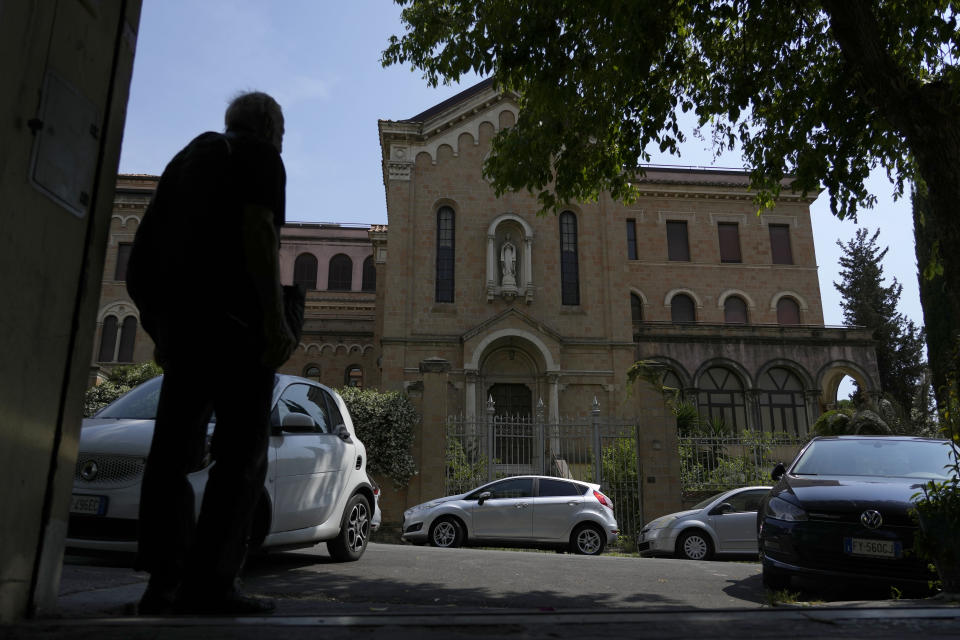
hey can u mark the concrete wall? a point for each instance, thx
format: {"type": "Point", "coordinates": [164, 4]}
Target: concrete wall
{"type": "Point", "coordinates": [66, 69]}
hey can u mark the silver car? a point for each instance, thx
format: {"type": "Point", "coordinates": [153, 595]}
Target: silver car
{"type": "Point", "coordinates": [316, 489]}
{"type": "Point", "coordinates": [521, 511]}
{"type": "Point", "coordinates": [724, 524]}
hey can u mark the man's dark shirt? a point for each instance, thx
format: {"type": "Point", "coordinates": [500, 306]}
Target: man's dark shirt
{"type": "Point", "coordinates": [187, 266]}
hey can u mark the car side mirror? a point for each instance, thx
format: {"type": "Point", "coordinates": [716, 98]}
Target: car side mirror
{"type": "Point", "coordinates": [297, 423]}
{"type": "Point", "coordinates": [722, 508]}
{"type": "Point", "coordinates": [343, 433]}
{"type": "Point", "coordinates": [778, 472]}
{"type": "Point", "coordinates": [483, 497]}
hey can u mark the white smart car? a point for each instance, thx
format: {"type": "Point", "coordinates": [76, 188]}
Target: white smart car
{"type": "Point", "coordinates": [316, 490]}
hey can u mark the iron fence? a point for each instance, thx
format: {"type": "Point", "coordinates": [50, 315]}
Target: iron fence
{"type": "Point", "coordinates": [711, 465]}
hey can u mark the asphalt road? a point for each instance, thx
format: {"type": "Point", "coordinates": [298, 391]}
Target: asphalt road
{"type": "Point", "coordinates": [406, 578]}
{"type": "Point", "coordinates": [399, 592]}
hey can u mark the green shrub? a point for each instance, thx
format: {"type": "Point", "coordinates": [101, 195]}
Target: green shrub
{"type": "Point", "coordinates": [464, 470]}
{"type": "Point", "coordinates": [833, 423]}
{"type": "Point", "coordinates": [384, 421]}
{"type": "Point", "coordinates": [119, 381]}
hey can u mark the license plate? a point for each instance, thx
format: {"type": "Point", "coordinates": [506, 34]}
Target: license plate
{"type": "Point", "coordinates": [873, 548]}
{"type": "Point", "coordinates": [88, 505]}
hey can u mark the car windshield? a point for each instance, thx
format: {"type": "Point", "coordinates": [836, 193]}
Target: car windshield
{"type": "Point", "coordinates": [140, 403]}
{"type": "Point", "coordinates": [703, 504]}
{"type": "Point", "coordinates": [877, 457]}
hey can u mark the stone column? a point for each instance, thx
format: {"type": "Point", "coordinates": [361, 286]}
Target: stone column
{"type": "Point", "coordinates": [814, 408]}
{"type": "Point", "coordinates": [470, 395]}
{"type": "Point", "coordinates": [431, 438]}
{"type": "Point", "coordinates": [554, 408]}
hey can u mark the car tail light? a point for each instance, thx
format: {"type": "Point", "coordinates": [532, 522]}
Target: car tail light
{"type": "Point", "coordinates": [604, 500]}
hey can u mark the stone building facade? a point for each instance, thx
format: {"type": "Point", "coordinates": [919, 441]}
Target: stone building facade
{"type": "Point", "coordinates": [553, 310]}
{"type": "Point", "coordinates": [334, 262]}
{"type": "Point", "coordinates": [464, 297]}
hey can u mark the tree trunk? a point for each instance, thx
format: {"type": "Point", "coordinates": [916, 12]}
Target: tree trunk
{"type": "Point", "coordinates": [939, 322]}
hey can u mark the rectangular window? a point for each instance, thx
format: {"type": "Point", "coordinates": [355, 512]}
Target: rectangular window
{"type": "Point", "coordinates": [729, 234]}
{"type": "Point", "coordinates": [632, 239]}
{"type": "Point", "coordinates": [123, 257]}
{"type": "Point", "coordinates": [678, 248]}
{"type": "Point", "coordinates": [780, 244]}
{"type": "Point", "coordinates": [569, 263]}
{"type": "Point", "coordinates": [445, 255]}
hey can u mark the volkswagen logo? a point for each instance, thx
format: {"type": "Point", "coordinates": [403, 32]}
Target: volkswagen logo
{"type": "Point", "coordinates": [871, 519]}
{"type": "Point", "coordinates": [89, 470]}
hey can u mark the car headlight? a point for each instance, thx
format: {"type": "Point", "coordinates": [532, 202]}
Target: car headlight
{"type": "Point", "coordinates": [420, 507]}
{"type": "Point", "coordinates": [660, 523]}
{"type": "Point", "coordinates": [780, 509]}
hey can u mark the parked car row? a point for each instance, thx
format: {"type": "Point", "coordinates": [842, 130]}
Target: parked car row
{"type": "Point", "coordinates": [840, 510]}
{"type": "Point", "coordinates": [317, 488]}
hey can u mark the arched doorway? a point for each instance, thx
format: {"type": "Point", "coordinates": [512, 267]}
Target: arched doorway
{"type": "Point", "coordinates": [831, 377]}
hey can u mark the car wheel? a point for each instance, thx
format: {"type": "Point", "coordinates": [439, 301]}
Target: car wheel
{"type": "Point", "coordinates": [774, 579]}
{"type": "Point", "coordinates": [694, 545]}
{"type": "Point", "coordinates": [446, 532]}
{"type": "Point", "coordinates": [354, 534]}
{"type": "Point", "coordinates": [587, 540]}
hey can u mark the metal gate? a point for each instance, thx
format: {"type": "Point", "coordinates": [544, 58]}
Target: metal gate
{"type": "Point", "coordinates": [594, 448]}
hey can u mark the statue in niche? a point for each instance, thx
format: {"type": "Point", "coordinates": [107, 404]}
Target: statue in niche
{"type": "Point", "coordinates": [508, 263]}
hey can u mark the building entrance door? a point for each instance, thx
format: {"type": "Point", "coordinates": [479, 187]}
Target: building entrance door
{"type": "Point", "coordinates": [513, 400]}
{"type": "Point", "coordinates": [514, 437]}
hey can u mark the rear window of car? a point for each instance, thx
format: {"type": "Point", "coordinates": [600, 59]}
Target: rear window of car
{"type": "Point", "coordinates": [551, 488]}
{"type": "Point", "coordinates": [875, 457]}
{"type": "Point", "coordinates": [140, 403]}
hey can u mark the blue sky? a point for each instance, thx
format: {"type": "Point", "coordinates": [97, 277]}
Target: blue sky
{"type": "Point", "coordinates": [320, 59]}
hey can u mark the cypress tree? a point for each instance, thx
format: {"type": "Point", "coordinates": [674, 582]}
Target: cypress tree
{"type": "Point", "coordinates": [869, 303]}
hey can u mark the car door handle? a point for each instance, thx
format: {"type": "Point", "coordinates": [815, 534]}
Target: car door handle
{"type": "Point", "coordinates": [522, 505]}
{"type": "Point", "coordinates": [572, 503]}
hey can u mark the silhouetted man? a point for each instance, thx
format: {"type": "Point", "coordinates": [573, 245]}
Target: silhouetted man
{"type": "Point", "coordinates": [204, 273]}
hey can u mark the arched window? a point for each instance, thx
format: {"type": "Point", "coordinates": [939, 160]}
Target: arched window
{"type": "Point", "coordinates": [569, 264]}
{"type": "Point", "coordinates": [340, 277]}
{"type": "Point", "coordinates": [128, 336]}
{"type": "Point", "coordinates": [734, 310]}
{"type": "Point", "coordinates": [108, 339]}
{"type": "Point", "coordinates": [305, 271]}
{"type": "Point", "coordinates": [354, 376]}
{"type": "Point", "coordinates": [445, 254]}
{"type": "Point", "coordinates": [636, 308]}
{"type": "Point", "coordinates": [682, 308]}
{"type": "Point", "coordinates": [369, 275]}
{"type": "Point", "coordinates": [672, 381]}
{"type": "Point", "coordinates": [788, 311]}
{"type": "Point", "coordinates": [312, 371]}
{"type": "Point", "coordinates": [782, 406]}
{"type": "Point", "coordinates": [721, 398]}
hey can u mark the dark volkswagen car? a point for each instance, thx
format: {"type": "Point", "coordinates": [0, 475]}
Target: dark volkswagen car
{"type": "Point", "coordinates": [842, 510]}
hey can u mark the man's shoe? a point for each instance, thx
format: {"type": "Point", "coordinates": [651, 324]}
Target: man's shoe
{"type": "Point", "coordinates": [156, 601]}
{"type": "Point", "coordinates": [231, 604]}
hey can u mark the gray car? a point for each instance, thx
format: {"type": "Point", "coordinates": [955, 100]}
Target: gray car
{"type": "Point", "coordinates": [521, 511]}
{"type": "Point", "coordinates": [723, 524]}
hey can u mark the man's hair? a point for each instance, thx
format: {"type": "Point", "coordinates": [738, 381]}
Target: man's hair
{"type": "Point", "coordinates": [255, 112]}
